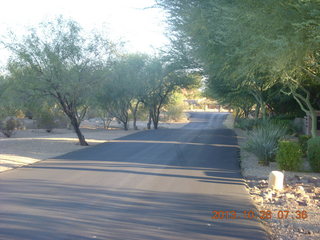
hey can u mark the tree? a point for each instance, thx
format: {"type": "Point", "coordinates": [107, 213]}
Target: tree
{"type": "Point", "coordinates": [163, 79]}
{"type": "Point", "coordinates": [56, 61]}
{"type": "Point", "coordinates": [239, 40]}
{"type": "Point", "coordinates": [123, 87]}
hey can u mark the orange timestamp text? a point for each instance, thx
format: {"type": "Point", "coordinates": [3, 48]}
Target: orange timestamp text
{"type": "Point", "coordinates": [263, 214]}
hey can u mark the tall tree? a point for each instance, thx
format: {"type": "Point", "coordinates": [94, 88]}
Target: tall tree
{"type": "Point", "coordinates": [123, 86]}
{"type": "Point", "coordinates": [163, 79]}
{"type": "Point", "coordinates": [235, 40]}
{"type": "Point", "coordinates": [57, 61]}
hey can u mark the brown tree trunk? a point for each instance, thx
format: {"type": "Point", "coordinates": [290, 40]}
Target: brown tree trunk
{"type": "Point", "coordinates": [149, 121]}
{"type": "Point", "coordinates": [125, 126]}
{"type": "Point", "coordinates": [155, 118]}
{"type": "Point", "coordinates": [76, 128]}
{"type": "Point", "coordinates": [134, 112]}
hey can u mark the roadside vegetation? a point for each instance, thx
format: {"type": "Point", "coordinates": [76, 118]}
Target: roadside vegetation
{"type": "Point", "coordinates": [261, 59]}
{"type": "Point", "coordinates": [57, 74]}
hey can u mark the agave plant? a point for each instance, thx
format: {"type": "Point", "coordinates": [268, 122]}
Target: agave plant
{"type": "Point", "coordinates": [263, 141]}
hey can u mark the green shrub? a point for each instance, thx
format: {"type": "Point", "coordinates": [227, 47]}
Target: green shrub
{"type": "Point", "coordinates": [289, 156]}
{"type": "Point", "coordinates": [303, 141]}
{"type": "Point", "coordinates": [263, 141]}
{"type": "Point", "coordinates": [175, 113]}
{"type": "Point", "coordinates": [9, 126]}
{"type": "Point", "coordinates": [246, 123]}
{"type": "Point", "coordinates": [287, 123]}
{"type": "Point", "coordinates": [46, 120]}
{"type": "Point", "coordinates": [314, 153]}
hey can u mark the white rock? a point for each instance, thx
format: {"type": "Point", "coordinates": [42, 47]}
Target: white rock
{"type": "Point", "coordinates": [276, 180]}
{"type": "Point", "coordinates": [300, 189]}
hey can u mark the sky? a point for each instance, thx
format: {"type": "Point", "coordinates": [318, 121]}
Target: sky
{"type": "Point", "coordinates": [142, 28]}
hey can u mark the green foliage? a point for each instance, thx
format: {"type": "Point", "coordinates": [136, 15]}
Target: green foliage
{"type": "Point", "coordinates": [175, 108]}
{"type": "Point", "coordinates": [57, 61]}
{"type": "Point", "coordinates": [46, 119]}
{"type": "Point", "coordinates": [289, 156]}
{"type": "Point", "coordinates": [263, 141]}
{"type": "Point", "coordinates": [286, 123]}
{"type": "Point", "coordinates": [314, 153]}
{"type": "Point", "coordinates": [303, 141]}
{"type": "Point", "coordinates": [9, 126]}
{"type": "Point", "coordinates": [246, 123]}
{"type": "Point", "coordinates": [124, 83]}
{"type": "Point", "coordinates": [258, 48]}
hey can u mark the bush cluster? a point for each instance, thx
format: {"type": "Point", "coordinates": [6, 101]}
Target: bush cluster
{"type": "Point", "coordinates": [263, 141]}
{"type": "Point", "coordinates": [303, 141]}
{"type": "Point", "coordinates": [314, 153]}
{"type": "Point", "coordinates": [246, 123]}
{"type": "Point", "coordinates": [9, 126]}
{"type": "Point", "coordinates": [289, 156]}
{"type": "Point", "coordinates": [46, 120]}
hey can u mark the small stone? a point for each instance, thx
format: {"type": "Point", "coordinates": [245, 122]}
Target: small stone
{"type": "Point", "coordinates": [302, 203]}
{"type": "Point", "coordinates": [300, 189]}
{"type": "Point", "coordinates": [290, 195]}
{"type": "Point", "coordinates": [267, 196]}
{"type": "Point", "coordinates": [310, 232]}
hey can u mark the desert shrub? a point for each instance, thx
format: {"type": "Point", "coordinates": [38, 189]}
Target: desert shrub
{"type": "Point", "coordinates": [175, 112]}
{"type": "Point", "coordinates": [246, 123]}
{"type": "Point", "coordinates": [289, 156]}
{"type": "Point", "coordinates": [263, 141]}
{"type": "Point", "coordinates": [46, 120]}
{"type": "Point", "coordinates": [286, 123]}
{"type": "Point", "coordinates": [314, 153]}
{"type": "Point", "coordinates": [174, 109]}
{"type": "Point", "coordinates": [303, 141]}
{"type": "Point", "coordinates": [9, 126]}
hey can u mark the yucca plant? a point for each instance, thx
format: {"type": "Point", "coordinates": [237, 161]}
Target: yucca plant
{"type": "Point", "coordinates": [263, 141]}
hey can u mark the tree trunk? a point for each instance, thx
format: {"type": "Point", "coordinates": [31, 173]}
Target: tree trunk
{"type": "Point", "coordinates": [125, 126]}
{"type": "Point", "coordinates": [149, 121]}
{"type": "Point", "coordinates": [155, 118]}
{"type": "Point", "coordinates": [257, 112]}
{"type": "Point", "coordinates": [76, 128]}
{"type": "Point", "coordinates": [263, 110]}
{"type": "Point", "coordinates": [155, 123]}
{"type": "Point", "coordinates": [313, 116]}
{"type": "Point", "coordinates": [306, 106]}
{"type": "Point", "coordinates": [134, 112]}
{"type": "Point", "coordinates": [72, 115]}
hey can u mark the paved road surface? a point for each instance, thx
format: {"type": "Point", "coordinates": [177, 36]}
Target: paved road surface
{"type": "Point", "coordinates": [160, 184]}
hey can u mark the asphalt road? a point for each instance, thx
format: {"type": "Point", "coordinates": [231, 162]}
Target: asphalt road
{"type": "Point", "coordinates": [157, 184]}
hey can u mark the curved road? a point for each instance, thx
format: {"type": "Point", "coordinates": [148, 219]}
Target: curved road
{"type": "Point", "coordinates": [157, 184]}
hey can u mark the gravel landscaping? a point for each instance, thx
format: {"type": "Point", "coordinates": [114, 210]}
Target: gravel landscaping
{"type": "Point", "coordinates": [290, 213]}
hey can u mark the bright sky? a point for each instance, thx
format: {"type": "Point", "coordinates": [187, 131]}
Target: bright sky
{"type": "Point", "coordinates": [142, 29]}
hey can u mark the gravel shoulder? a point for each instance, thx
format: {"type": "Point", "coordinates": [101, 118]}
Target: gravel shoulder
{"type": "Point", "coordinates": [32, 145]}
{"type": "Point", "coordinates": [300, 197]}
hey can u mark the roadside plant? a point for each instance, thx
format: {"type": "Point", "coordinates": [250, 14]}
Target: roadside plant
{"type": "Point", "coordinates": [246, 123]}
{"type": "Point", "coordinates": [9, 126]}
{"type": "Point", "coordinates": [303, 141]}
{"type": "Point", "coordinates": [289, 156]}
{"type": "Point", "coordinates": [314, 153]}
{"type": "Point", "coordinates": [263, 141]}
{"type": "Point", "coordinates": [46, 120]}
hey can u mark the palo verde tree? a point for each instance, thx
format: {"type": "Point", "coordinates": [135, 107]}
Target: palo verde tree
{"type": "Point", "coordinates": [55, 60]}
{"type": "Point", "coordinates": [122, 88]}
{"type": "Point", "coordinates": [163, 79]}
{"type": "Point", "coordinates": [240, 40]}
